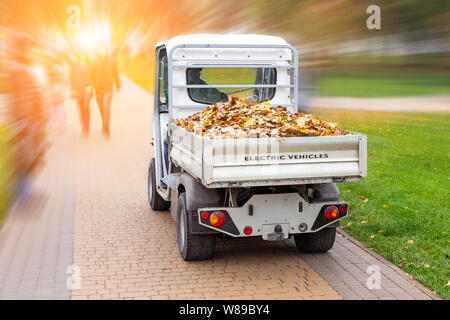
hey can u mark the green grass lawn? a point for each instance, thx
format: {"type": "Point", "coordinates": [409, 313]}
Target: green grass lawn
{"type": "Point", "coordinates": [5, 175]}
{"type": "Point", "coordinates": [406, 215]}
{"type": "Point", "coordinates": [377, 83]}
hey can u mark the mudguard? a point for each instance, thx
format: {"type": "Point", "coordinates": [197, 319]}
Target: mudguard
{"type": "Point", "coordinates": [197, 196]}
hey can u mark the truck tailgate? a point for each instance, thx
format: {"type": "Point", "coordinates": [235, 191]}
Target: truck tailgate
{"type": "Point", "coordinates": [269, 161]}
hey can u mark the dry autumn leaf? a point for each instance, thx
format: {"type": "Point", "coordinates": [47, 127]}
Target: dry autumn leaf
{"type": "Point", "coordinates": [410, 241]}
{"type": "Point", "coordinates": [255, 120]}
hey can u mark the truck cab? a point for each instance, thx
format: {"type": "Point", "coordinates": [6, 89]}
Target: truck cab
{"type": "Point", "coordinates": [223, 188]}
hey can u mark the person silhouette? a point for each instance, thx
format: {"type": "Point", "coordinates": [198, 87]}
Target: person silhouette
{"type": "Point", "coordinates": [82, 89]}
{"type": "Point", "coordinates": [105, 76]}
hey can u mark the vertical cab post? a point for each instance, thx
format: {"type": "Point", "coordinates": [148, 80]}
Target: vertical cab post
{"type": "Point", "coordinates": [157, 128]}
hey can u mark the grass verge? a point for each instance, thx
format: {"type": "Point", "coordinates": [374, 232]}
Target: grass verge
{"type": "Point", "coordinates": [378, 83]}
{"type": "Point", "coordinates": [401, 208]}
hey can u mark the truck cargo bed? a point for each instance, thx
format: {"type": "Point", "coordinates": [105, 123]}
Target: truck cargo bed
{"type": "Point", "coordinates": [220, 163]}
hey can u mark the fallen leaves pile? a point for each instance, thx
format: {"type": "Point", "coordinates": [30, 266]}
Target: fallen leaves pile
{"type": "Point", "coordinates": [239, 118]}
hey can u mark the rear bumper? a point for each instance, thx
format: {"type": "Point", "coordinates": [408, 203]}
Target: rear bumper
{"type": "Point", "coordinates": [265, 212]}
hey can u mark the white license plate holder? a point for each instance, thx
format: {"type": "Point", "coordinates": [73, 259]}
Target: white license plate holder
{"type": "Point", "coordinates": [269, 233]}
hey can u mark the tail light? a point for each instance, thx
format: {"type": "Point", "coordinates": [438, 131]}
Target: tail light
{"type": "Point", "coordinates": [331, 212]}
{"type": "Point", "coordinates": [205, 215]}
{"type": "Point", "coordinates": [217, 219]}
{"type": "Point", "coordinates": [343, 208]}
{"type": "Point", "coordinates": [248, 230]}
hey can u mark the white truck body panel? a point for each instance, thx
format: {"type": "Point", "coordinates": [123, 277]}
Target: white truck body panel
{"type": "Point", "coordinates": [211, 39]}
{"type": "Point", "coordinates": [220, 163]}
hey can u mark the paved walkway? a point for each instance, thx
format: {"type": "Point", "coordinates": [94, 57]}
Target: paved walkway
{"type": "Point", "coordinates": [394, 104]}
{"type": "Point", "coordinates": [348, 265]}
{"type": "Point", "coordinates": [124, 250]}
{"type": "Point", "coordinates": [36, 239]}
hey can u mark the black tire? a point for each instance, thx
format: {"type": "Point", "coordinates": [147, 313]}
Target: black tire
{"type": "Point", "coordinates": [192, 246]}
{"type": "Point", "coordinates": [154, 199]}
{"type": "Point", "coordinates": [320, 241]}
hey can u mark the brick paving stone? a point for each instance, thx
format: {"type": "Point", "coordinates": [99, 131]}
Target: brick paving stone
{"type": "Point", "coordinates": [364, 293]}
{"type": "Point", "coordinates": [344, 268]}
{"type": "Point", "coordinates": [400, 293]}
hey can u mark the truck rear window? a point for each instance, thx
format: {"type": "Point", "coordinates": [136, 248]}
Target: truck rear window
{"type": "Point", "coordinates": [230, 76]}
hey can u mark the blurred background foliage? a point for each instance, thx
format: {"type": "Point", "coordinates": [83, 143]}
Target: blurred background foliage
{"type": "Point", "coordinates": [411, 50]}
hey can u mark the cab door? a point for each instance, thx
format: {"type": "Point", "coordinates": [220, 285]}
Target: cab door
{"type": "Point", "coordinates": [160, 121]}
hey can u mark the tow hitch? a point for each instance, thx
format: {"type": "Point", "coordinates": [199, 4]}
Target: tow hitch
{"type": "Point", "coordinates": [273, 232]}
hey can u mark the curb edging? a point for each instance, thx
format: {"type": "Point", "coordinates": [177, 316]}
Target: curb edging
{"type": "Point", "coordinates": [377, 256]}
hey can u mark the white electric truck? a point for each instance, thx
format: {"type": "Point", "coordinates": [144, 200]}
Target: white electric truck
{"type": "Point", "coordinates": [246, 187]}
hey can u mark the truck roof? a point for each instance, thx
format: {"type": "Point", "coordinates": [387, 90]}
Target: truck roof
{"type": "Point", "coordinates": [228, 39]}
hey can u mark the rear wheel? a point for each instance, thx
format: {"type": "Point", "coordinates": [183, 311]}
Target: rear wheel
{"type": "Point", "coordinates": [192, 246]}
{"type": "Point", "coordinates": [320, 241]}
{"type": "Point", "coordinates": [154, 199]}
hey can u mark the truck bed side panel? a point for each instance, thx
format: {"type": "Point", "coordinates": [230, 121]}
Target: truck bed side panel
{"type": "Point", "coordinates": [262, 161]}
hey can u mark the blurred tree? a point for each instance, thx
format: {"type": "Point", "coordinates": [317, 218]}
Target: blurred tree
{"type": "Point", "coordinates": [320, 29]}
